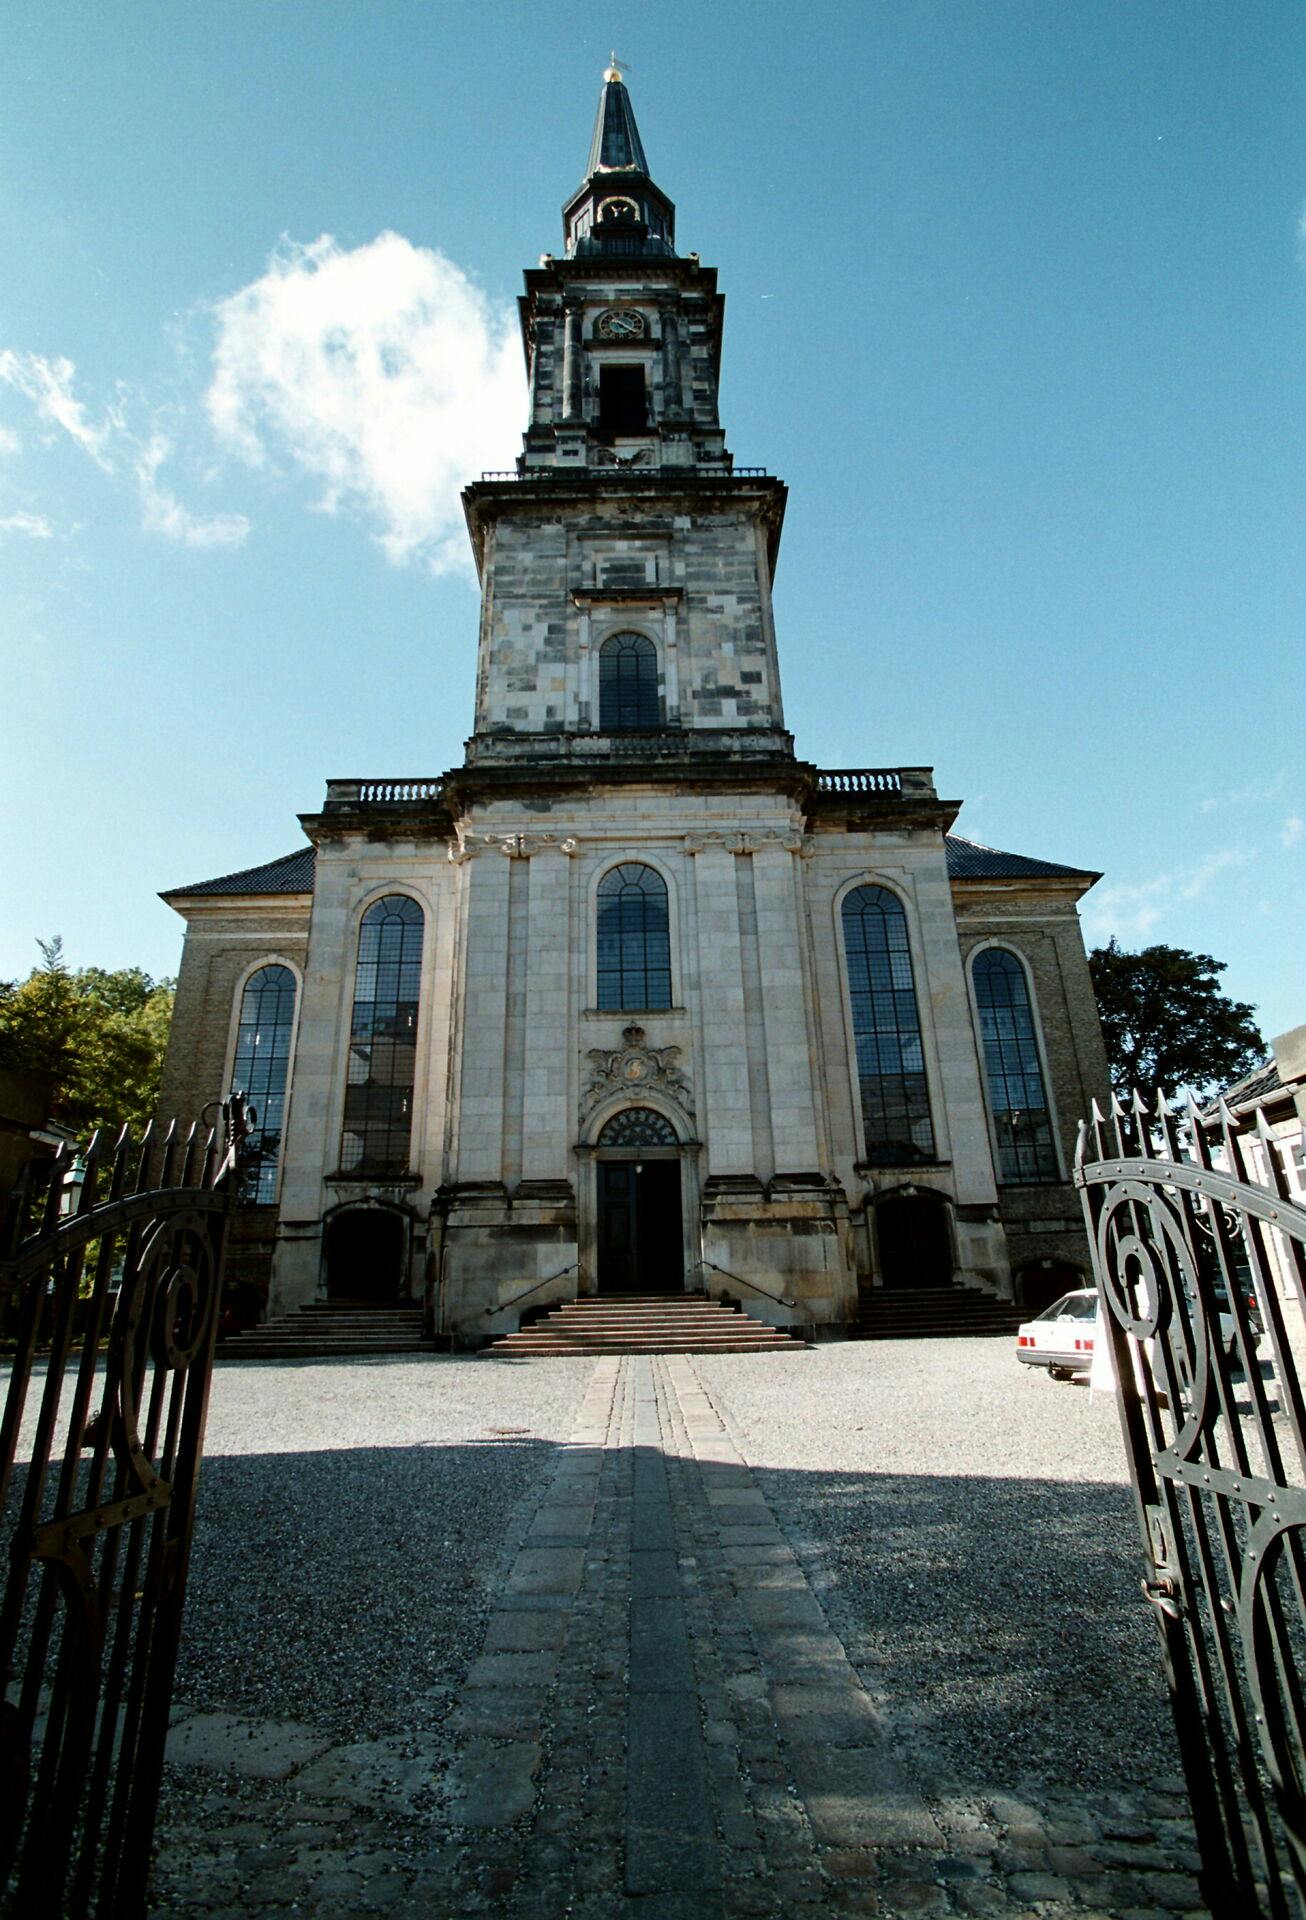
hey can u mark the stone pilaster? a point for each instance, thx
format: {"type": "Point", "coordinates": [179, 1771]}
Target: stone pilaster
{"type": "Point", "coordinates": [788, 1051]}
{"type": "Point", "coordinates": [547, 1126]}
{"type": "Point", "coordinates": [484, 1024]}
{"type": "Point", "coordinates": [729, 1130]}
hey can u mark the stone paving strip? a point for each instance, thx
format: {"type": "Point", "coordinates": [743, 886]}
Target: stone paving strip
{"type": "Point", "coordinates": [661, 1724]}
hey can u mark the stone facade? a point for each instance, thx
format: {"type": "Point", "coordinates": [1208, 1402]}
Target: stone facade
{"type": "Point", "coordinates": [627, 518]}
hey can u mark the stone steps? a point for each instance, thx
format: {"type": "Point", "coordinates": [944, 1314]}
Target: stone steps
{"type": "Point", "coordinates": [328, 1330]}
{"type": "Point", "coordinates": [932, 1313]}
{"type": "Point", "coordinates": [643, 1324]}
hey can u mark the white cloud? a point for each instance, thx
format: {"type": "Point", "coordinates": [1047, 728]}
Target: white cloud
{"type": "Point", "coordinates": [1130, 912]}
{"type": "Point", "coordinates": [48, 384]}
{"type": "Point", "coordinates": [384, 373]}
{"type": "Point", "coordinates": [1253, 796]}
{"type": "Point", "coordinates": [162, 512]}
{"type": "Point", "coordinates": [1293, 831]}
{"type": "Point", "coordinates": [9, 441]}
{"type": "Point", "coordinates": [34, 525]}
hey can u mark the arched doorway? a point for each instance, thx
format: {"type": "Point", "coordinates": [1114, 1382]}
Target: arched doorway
{"type": "Point", "coordinates": [640, 1229]}
{"type": "Point", "coordinates": [364, 1252]}
{"type": "Point", "coordinates": [1040, 1282]}
{"type": "Point", "coordinates": [912, 1241]}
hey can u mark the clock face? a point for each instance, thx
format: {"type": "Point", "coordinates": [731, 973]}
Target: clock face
{"type": "Point", "coordinates": [622, 323]}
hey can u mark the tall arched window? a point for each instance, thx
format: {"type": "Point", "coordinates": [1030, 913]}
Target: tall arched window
{"type": "Point", "coordinates": [886, 1029]}
{"type": "Point", "coordinates": [628, 684]}
{"type": "Point", "coordinates": [1017, 1096]}
{"type": "Point", "coordinates": [260, 1068]}
{"type": "Point", "coordinates": [634, 940]}
{"type": "Point", "coordinates": [383, 1039]}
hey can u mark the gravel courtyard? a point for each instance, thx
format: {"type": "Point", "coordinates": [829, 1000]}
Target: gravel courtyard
{"type": "Point", "coordinates": [857, 1629]}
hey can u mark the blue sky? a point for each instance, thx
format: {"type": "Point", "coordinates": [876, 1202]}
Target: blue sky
{"type": "Point", "coordinates": [1016, 303]}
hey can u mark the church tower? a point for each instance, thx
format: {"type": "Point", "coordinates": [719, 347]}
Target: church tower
{"type": "Point", "coordinates": [635, 1000]}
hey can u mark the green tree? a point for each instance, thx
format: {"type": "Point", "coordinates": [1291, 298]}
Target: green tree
{"type": "Point", "coordinates": [1166, 1024]}
{"type": "Point", "coordinates": [97, 1036]}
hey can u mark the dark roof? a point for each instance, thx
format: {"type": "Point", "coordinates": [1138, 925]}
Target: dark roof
{"type": "Point", "coordinates": [969, 860]}
{"type": "Point", "coordinates": [616, 146]}
{"type": "Point", "coordinates": [292, 873]}
{"type": "Point", "coordinates": [1256, 1086]}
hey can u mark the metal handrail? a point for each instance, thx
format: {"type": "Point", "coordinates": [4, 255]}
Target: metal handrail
{"type": "Point", "coordinates": [516, 1300]}
{"type": "Point", "coordinates": [780, 1299]}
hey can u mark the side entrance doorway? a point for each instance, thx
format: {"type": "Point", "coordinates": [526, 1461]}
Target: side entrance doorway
{"type": "Point", "coordinates": [364, 1250]}
{"type": "Point", "coordinates": [640, 1227]}
{"type": "Point", "coordinates": [912, 1241]}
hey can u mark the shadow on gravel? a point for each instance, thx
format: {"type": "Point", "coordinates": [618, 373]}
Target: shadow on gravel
{"type": "Point", "coordinates": [1000, 1622]}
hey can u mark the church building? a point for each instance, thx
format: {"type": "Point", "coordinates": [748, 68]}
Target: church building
{"type": "Point", "coordinates": [635, 1000]}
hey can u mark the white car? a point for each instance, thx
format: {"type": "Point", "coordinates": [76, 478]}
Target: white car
{"type": "Point", "coordinates": [1061, 1337]}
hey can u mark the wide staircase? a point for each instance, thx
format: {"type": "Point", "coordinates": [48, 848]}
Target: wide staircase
{"type": "Point", "coordinates": [932, 1313]}
{"type": "Point", "coordinates": [330, 1330]}
{"type": "Point", "coordinates": [654, 1323]}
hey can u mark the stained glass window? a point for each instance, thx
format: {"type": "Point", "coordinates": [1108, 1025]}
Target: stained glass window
{"type": "Point", "coordinates": [638, 1127]}
{"type": "Point", "coordinates": [886, 1029]}
{"type": "Point", "coordinates": [383, 1039]}
{"type": "Point", "coordinates": [634, 940]}
{"type": "Point", "coordinates": [1017, 1097]}
{"type": "Point", "coordinates": [628, 684]}
{"type": "Point", "coordinates": [259, 1070]}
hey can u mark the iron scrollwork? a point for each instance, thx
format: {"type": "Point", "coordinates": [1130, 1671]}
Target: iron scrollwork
{"type": "Point", "coordinates": [1198, 1268]}
{"type": "Point", "coordinates": [103, 1485]}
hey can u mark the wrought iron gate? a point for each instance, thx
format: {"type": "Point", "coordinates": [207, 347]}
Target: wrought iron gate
{"type": "Point", "coordinates": [1196, 1267]}
{"type": "Point", "coordinates": [100, 1508]}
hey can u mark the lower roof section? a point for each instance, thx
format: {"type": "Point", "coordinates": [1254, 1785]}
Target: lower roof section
{"type": "Point", "coordinates": [293, 872]}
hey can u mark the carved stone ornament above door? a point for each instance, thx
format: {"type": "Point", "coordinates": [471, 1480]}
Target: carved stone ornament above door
{"type": "Point", "coordinates": [636, 1068]}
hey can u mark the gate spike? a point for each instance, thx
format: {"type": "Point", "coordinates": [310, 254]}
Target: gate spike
{"type": "Point", "coordinates": [1099, 1131]}
{"type": "Point", "coordinates": [143, 1161]}
{"type": "Point", "coordinates": [1118, 1124]}
{"type": "Point", "coordinates": [1275, 1171]}
{"type": "Point", "coordinates": [91, 1159]}
{"type": "Point", "coordinates": [118, 1177]}
{"type": "Point", "coordinates": [169, 1153]}
{"type": "Point", "coordinates": [1196, 1131]}
{"type": "Point", "coordinates": [1081, 1137]}
{"type": "Point", "coordinates": [1165, 1120]}
{"type": "Point", "coordinates": [54, 1192]}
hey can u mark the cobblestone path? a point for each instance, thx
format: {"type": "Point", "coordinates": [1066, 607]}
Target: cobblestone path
{"type": "Point", "coordinates": [661, 1723]}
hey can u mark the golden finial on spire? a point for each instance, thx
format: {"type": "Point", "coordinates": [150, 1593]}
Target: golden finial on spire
{"type": "Point", "coordinates": [614, 70]}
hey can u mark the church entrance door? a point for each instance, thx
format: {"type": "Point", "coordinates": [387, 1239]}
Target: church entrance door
{"type": "Point", "coordinates": [640, 1242]}
{"type": "Point", "coordinates": [640, 1229]}
{"type": "Point", "coordinates": [365, 1254]}
{"type": "Point", "coordinates": [911, 1231]}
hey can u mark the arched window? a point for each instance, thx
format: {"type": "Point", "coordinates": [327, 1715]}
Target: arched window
{"type": "Point", "coordinates": [638, 1127]}
{"type": "Point", "coordinates": [383, 1039]}
{"type": "Point", "coordinates": [628, 684]}
{"type": "Point", "coordinates": [886, 1029]}
{"type": "Point", "coordinates": [1017, 1096]}
{"type": "Point", "coordinates": [260, 1068]}
{"type": "Point", "coordinates": [634, 940]}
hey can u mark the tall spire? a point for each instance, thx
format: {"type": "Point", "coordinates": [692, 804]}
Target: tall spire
{"type": "Point", "coordinates": [616, 143]}
{"type": "Point", "coordinates": [617, 209]}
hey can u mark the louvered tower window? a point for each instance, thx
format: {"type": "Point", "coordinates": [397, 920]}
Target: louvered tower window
{"type": "Point", "coordinates": [628, 684]}
{"type": "Point", "coordinates": [634, 940]}
{"type": "Point", "coordinates": [1013, 1075]}
{"type": "Point", "coordinates": [886, 1030]}
{"type": "Point", "coordinates": [383, 1039]}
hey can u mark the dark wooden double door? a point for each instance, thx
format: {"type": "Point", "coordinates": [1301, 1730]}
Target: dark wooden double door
{"type": "Point", "coordinates": [641, 1243]}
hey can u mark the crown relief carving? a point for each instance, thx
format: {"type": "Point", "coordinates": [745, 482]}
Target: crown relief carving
{"type": "Point", "coordinates": [634, 1067]}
